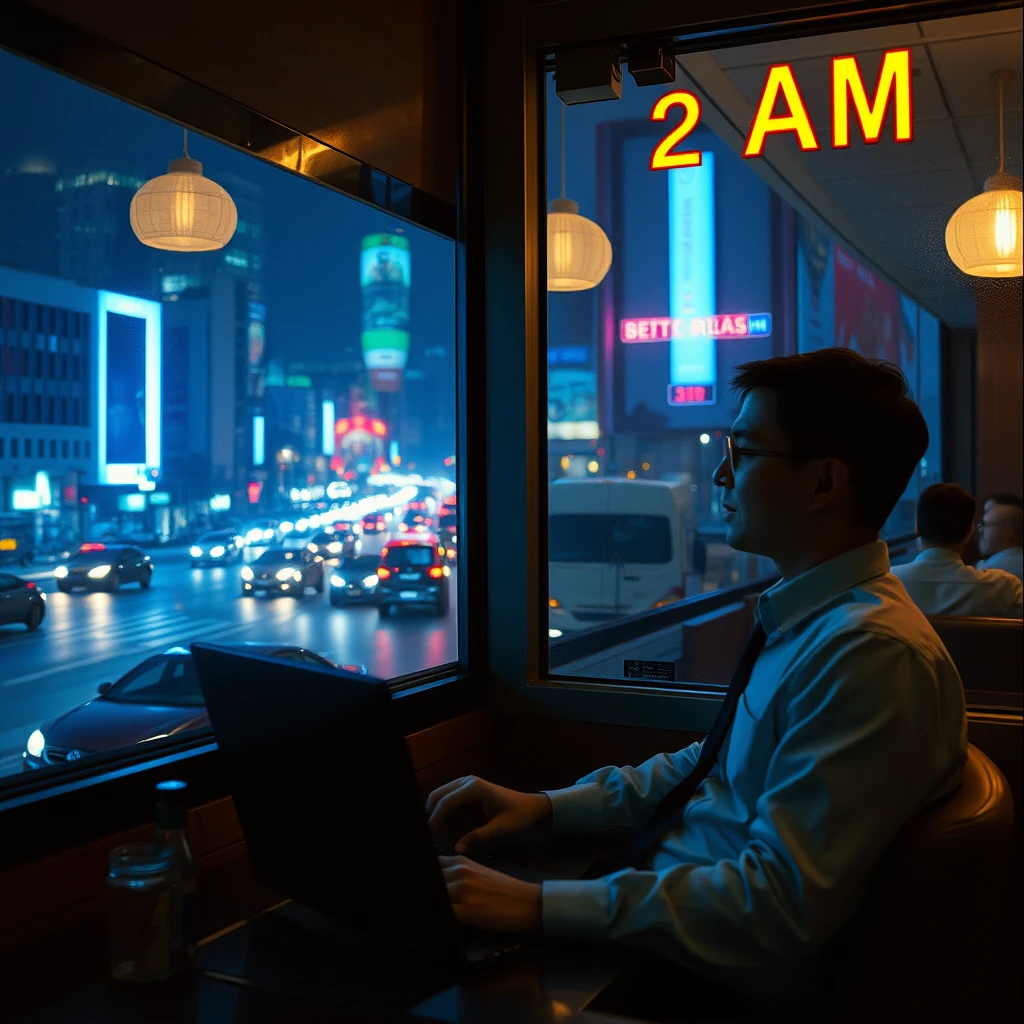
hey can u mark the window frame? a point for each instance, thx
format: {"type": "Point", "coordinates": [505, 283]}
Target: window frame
{"type": "Point", "coordinates": [506, 121]}
{"type": "Point", "coordinates": [47, 812]}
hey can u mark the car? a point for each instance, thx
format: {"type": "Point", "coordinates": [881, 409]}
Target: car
{"type": "Point", "coordinates": [21, 601]}
{"type": "Point", "coordinates": [375, 522]}
{"type": "Point", "coordinates": [355, 581]}
{"type": "Point", "coordinates": [217, 547]}
{"type": "Point", "coordinates": [412, 573]}
{"type": "Point", "coordinates": [283, 571]}
{"type": "Point", "coordinates": [103, 567]}
{"type": "Point", "coordinates": [416, 520]}
{"type": "Point", "coordinates": [259, 532]}
{"type": "Point", "coordinates": [158, 698]}
{"type": "Point", "coordinates": [334, 542]}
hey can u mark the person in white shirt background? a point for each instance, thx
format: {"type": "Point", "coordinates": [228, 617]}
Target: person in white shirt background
{"type": "Point", "coordinates": [1001, 534]}
{"type": "Point", "coordinates": [852, 721]}
{"type": "Point", "coordinates": [937, 580]}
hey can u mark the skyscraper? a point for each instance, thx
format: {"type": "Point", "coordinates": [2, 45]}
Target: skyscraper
{"type": "Point", "coordinates": [28, 212]}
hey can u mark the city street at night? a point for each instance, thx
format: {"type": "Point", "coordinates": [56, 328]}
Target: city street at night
{"type": "Point", "coordinates": [92, 638]}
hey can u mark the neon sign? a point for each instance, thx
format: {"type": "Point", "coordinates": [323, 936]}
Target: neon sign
{"type": "Point", "coordinates": [691, 394]}
{"type": "Point", "coordinates": [721, 325]}
{"type": "Point", "coordinates": [894, 88]}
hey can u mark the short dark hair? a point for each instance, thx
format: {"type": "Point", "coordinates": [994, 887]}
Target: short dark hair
{"type": "Point", "coordinates": [838, 403]}
{"type": "Point", "coordinates": [945, 514]}
{"type": "Point", "coordinates": [1005, 498]}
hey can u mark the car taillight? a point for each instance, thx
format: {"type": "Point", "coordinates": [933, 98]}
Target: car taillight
{"type": "Point", "coordinates": [436, 572]}
{"type": "Point", "coordinates": [31, 586]}
{"type": "Point", "coordinates": [380, 526]}
{"type": "Point", "coordinates": [89, 546]}
{"type": "Point", "coordinates": [383, 573]}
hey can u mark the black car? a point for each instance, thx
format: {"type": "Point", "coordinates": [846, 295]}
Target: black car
{"type": "Point", "coordinates": [413, 574]}
{"type": "Point", "coordinates": [160, 697]}
{"type": "Point", "coordinates": [334, 542]}
{"type": "Point", "coordinates": [218, 547]}
{"type": "Point", "coordinates": [283, 571]}
{"type": "Point", "coordinates": [104, 568]}
{"type": "Point", "coordinates": [21, 601]}
{"type": "Point", "coordinates": [355, 581]}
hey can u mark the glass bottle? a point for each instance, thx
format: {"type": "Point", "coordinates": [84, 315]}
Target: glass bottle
{"type": "Point", "coordinates": [171, 814]}
{"type": "Point", "coordinates": [143, 913]}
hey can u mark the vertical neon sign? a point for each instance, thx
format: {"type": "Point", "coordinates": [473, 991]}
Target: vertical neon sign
{"type": "Point", "coordinates": [691, 267]}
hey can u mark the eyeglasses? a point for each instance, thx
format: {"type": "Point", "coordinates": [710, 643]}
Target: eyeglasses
{"type": "Point", "coordinates": [733, 453]}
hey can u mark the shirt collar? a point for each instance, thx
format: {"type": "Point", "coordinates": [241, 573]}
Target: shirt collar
{"type": "Point", "coordinates": [786, 603]}
{"type": "Point", "coordinates": [938, 555]}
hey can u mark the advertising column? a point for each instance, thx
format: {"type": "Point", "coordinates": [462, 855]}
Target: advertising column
{"type": "Point", "coordinates": [384, 279]}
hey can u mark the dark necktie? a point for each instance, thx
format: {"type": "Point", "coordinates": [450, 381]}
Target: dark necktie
{"type": "Point", "coordinates": [668, 814]}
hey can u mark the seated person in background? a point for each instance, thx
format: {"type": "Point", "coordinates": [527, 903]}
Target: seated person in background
{"type": "Point", "coordinates": [1000, 534]}
{"type": "Point", "coordinates": [937, 579]}
{"type": "Point", "coordinates": [844, 719]}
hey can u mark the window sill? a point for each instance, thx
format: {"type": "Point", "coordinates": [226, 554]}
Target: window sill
{"type": "Point", "coordinates": [47, 815]}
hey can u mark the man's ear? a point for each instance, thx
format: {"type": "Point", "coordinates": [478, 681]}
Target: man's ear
{"type": "Point", "coordinates": [832, 481]}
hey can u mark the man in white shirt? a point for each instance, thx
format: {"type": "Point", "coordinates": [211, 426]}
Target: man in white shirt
{"type": "Point", "coordinates": [937, 579]}
{"type": "Point", "coordinates": [1001, 534]}
{"type": "Point", "coordinates": [852, 720]}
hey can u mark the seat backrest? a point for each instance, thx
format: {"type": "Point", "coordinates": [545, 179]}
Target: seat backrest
{"type": "Point", "coordinates": [928, 929]}
{"type": "Point", "coordinates": [988, 652]}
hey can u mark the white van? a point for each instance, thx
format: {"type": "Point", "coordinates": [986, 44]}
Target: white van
{"type": "Point", "coordinates": [616, 547]}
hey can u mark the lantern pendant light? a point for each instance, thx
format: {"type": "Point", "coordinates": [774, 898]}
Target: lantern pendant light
{"type": "Point", "coordinates": [983, 237]}
{"type": "Point", "coordinates": [182, 211]}
{"type": "Point", "coordinates": [579, 253]}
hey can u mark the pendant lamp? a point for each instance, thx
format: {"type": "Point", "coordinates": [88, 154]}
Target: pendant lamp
{"type": "Point", "coordinates": [579, 253]}
{"type": "Point", "coordinates": [182, 211]}
{"type": "Point", "coordinates": [983, 237]}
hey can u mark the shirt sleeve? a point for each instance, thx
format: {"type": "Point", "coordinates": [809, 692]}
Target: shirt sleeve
{"type": "Point", "coordinates": [864, 741]}
{"type": "Point", "coordinates": [613, 799]}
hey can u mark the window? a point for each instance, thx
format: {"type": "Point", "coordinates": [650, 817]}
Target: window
{"type": "Point", "coordinates": [305, 395]}
{"type": "Point", "coordinates": [743, 253]}
{"type": "Point", "coordinates": [1, 447]}
{"type": "Point", "coordinates": [14, 447]}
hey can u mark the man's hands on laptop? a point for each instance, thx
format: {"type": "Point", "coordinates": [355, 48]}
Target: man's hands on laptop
{"type": "Point", "coordinates": [480, 812]}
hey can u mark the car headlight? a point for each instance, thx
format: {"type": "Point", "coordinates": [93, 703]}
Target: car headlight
{"type": "Point", "coordinates": [371, 581]}
{"type": "Point", "coordinates": [334, 547]}
{"type": "Point", "coordinates": [195, 551]}
{"type": "Point", "coordinates": [217, 551]}
{"type": "Point", "coordinates": [35, 744]}
{"type": "Point", "coordinates": [296, 575]}
{"type": "Point", "coordinates": [247, 573]}
{"type": "Point", "coordinates": [339, 581]}
{"type": "Point", "coordinates": [254, 535]}
{"type": "Point", "coordinates": [60, 572]}
{"type": "Point", "coordinates": [269, 534]}
{"type": "Point", "coordinates": [98, 572]}
{"type": "Point", "coordinates": [287, 574]}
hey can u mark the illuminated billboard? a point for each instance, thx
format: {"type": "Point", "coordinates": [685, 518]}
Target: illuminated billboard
{"type": "Point", "coordinates": [128, 388]}
{"type": "Point", "coordinates": [384, 277]}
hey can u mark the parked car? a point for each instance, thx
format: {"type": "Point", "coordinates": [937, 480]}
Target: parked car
{"type": "Point", "coordinates": [104, 568]}
{"type": "Point", "coordinates": [218, 547]}
{"type": "Point", "coordinates": [21, 601]}
{"type": "Point", "coordinates": [160, 697]}
{"type": "Point", "coordinates": [412, 573]}
{"type": "Point", "coordinates": [283, 571]}
{"type": "Point", "coordinates": [355, 581]}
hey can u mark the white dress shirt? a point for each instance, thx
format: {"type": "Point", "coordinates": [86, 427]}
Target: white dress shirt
{"type": "Point", "coordinates": [939, 583]}
{"type": "Point", "coordinates": [1009, 560]}
{"type": "Point", "coordinates": [853, 720]}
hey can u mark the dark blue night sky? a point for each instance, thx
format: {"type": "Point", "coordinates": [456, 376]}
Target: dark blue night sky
{"type": "Point", "coordinates": [311, 235]}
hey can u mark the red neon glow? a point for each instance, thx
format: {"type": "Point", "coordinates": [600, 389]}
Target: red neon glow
{"type": "Point", "coordinates": [721, 325]}
{"type": "Point", "coordinates": [686, 394]}
{"type": "Point", "coordinates": [663, 158]}
{"type": "Point", "coordinates": [255, 489]}
{"type": "Point", "coordinates": [780, 80]}
{"type": "Point", "coordinates": [893, 83]}
{"type": "Point", "coordinates": [93, 546]}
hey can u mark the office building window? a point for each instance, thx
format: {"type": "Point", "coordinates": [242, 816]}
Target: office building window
{"type": "Point", "coordinates": [738, 239]}
{"type": "Point", "coordinates": [339, 449]}
{"type": "Point", "coordinates": [1, 447]}
{"type": "Point", "coordinates": [14, 447]}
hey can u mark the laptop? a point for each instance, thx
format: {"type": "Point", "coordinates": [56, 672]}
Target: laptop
{"type": "Point", "coordinates": [327, 798]}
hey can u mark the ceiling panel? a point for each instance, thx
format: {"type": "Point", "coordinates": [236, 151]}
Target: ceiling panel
{"type": "Point", "coordinates": [981, 137]}
{"type": "Point", "coordinates": [973, 25]}
{"type": "Point", "coordinates": [947, 188]}
{"type": "Point", "coordinates": [831, 45]}
{"type": "Point", "coordinates": [965, 69]}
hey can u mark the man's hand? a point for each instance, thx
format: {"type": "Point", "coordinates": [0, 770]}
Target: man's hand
{"type": "Point", "coordinates": [506, 812]}
{"type": "Point", "coordinates": [482, 898]}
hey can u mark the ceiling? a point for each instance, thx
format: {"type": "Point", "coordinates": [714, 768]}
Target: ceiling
{"type": "Point", "coordinates": [889, 201]}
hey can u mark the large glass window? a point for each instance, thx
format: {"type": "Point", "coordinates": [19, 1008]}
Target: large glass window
{"type": "Point", "coordinates": [827, 230]}
{"type": "Point", "coordinates": [242, 421]}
